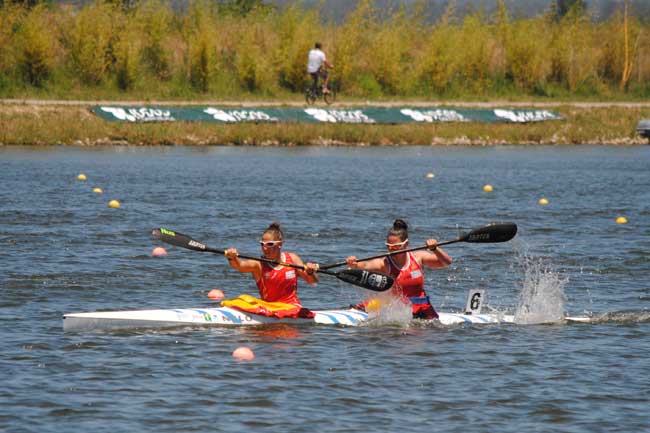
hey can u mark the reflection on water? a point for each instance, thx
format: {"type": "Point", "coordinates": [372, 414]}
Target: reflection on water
{"type": "Point", "coordinates": [273, 332]}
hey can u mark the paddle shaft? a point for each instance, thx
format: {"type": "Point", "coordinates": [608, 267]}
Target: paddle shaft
{"type": "Point", "coordinates": [375, 281]}
{"type": "Point", "coordinates": [490, 233]}
{"type": "Point", "coordinates": [392, 253]}
{"type": "Point", "coordinates": [270, 261]}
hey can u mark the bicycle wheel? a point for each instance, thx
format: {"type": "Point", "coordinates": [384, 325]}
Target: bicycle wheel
{"type": "Point", "coordinates": [329, 97]}
{"type": "Point", "coordinates": [310, 97]}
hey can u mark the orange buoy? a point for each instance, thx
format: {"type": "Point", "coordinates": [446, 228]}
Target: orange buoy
{"type": "Point", "coordinates": [216, 294]}
{"type": "Point", "coordinates": [243, 353]}
{"type": "Point", "coordinates": [158, 252]}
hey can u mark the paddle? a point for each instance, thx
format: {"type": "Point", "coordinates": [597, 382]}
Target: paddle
{"type": "Point", "coordinates": [370, 280]}
{"type": "Point", "coordinates": [491, 233]}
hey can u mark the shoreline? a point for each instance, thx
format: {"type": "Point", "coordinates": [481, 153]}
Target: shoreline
{"type": "Point", "coordinates": [61, 122]}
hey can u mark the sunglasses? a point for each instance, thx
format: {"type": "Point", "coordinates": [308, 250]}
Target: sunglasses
{"type": "Point", "coordinates": [269, 244]}
{"type": "Point", "coordinates": [398, 244]}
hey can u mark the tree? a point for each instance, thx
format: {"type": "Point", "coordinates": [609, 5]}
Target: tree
{"type": "Point", "coordinates": [244, 7]}
{"type": "Point", "coordinates": [563, 7]}
{"type": "Point", "coordinates": [27, 3]}
{"type": "Point", "coordinates": [628, 61]}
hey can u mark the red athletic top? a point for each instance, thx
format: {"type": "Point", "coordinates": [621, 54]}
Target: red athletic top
{"type": "Point", "coordinates": [409, 280]}
{"type": "Point", "coordinates": [279, 284]}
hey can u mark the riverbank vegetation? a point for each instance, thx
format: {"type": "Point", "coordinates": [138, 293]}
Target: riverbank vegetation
{"type": "Point", "coordinates": [77, 125]}
{"type": "Point", "coordinates": [149, 51]}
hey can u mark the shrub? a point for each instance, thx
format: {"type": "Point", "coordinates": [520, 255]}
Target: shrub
{"type": "Point", "coordinates": [527, 62]}
{"type": "Point", "coordinates": [201, 39]}
{"type": "Point", "coordinates": [36, 46]}
{"type": "Point", "coordinates": [154, 19]}
{"type": "Point", "coordinates": [253, 54]}
{"type": "Point", "coordinates": [10, 18]}
{"type": "Point", "coordinates": [350, 44]}
{"type": "Point", "coordinates": [91, 41]}
{"type": "Point", "coordinates": [297, 33]}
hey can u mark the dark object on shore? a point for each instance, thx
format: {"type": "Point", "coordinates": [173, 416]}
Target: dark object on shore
{"type": "Point", "coordinates": [643, 128]}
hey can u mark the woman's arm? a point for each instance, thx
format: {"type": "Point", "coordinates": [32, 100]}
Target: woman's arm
{"type": "Point", "coordinates": [378, 265]}
{"type": "Point", "coordinates": [308, 274]}
{"type": "Point", "coordinates": [246, 266]}
{"type": "Point", "coordinates": [433, 257]}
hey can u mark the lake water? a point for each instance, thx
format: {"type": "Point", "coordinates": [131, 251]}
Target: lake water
{"type": "Point", "coordinates": [62, 249]}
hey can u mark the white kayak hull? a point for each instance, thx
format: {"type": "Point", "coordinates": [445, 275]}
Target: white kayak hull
{"type": "Point", "coordinates": [224, 316]}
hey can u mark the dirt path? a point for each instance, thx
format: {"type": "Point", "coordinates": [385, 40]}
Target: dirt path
{"type": "Point", "coordinates": [346, 103]}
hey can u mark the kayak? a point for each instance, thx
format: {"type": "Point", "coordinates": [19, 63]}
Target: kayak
{"type": "Point", "coordinates": [221, 316]}
{"type": "Point", "coordinates": [225, 316]}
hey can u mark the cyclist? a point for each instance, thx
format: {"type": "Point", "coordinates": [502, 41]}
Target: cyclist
{"type": "Point", "coordinates": [317, 66]}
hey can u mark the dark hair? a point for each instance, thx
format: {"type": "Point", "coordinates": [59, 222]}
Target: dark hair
{"type": "Point", "coordinates": [275, 230]}
{"type": "Point", "coordinates": [400, 228]}
{"type": "Point", "coordinates": [318, 45]}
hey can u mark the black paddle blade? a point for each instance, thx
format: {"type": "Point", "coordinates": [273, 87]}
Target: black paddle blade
{"type": "Point", "coordinates": [496, 232]}
{"type": "Point", "coordinates": [180, 240]}
{"type": "Point", "coordinates": [375, 281]}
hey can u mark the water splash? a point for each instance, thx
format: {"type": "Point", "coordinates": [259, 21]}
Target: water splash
{"type": "Point", "coordinates": [542, 297]}
{"type": "Point", "coordinates": [387, 309]}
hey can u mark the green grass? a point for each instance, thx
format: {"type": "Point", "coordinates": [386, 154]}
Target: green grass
{"type": "Point", "coordinates": [76, 125]}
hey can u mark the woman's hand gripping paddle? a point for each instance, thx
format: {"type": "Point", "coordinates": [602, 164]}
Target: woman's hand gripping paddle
{"type": "Point", "coordinates": [491, 233]}
{"type": "Point", "coordinates": [375, 281]}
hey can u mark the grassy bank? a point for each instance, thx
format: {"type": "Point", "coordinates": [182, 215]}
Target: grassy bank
{"type": "Point", "coordinates": [151, 50]}
{"type": "Point", "coordinates": [36, 124]}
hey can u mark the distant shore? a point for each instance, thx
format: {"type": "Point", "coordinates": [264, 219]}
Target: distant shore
{"type": "Point", "coordinates": [60, 122]}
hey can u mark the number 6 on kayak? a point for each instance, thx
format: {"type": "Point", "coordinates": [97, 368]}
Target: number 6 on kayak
{"type": "Point", "coordinates": [375, 281]}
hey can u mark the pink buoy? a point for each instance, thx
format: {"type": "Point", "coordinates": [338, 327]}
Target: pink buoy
{"type": "Point", "coordinates": [216, 294]}
{"type": "Point", "coordinates": [159, 251]}
{"type": "Point", "coordinates": [243, 353]}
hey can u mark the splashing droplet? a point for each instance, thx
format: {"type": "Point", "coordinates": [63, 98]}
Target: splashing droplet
{"type": "Point", "coordinates": [542, 297]}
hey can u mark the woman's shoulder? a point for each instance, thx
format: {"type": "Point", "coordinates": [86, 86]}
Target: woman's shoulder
{"type": "Point", "coordinates": [421, 254]}
{"type": "Point", "coordinates": [292, 256]}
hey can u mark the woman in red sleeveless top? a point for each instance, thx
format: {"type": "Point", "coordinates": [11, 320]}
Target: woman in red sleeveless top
{"type": "Point", "coordinates": [275, 283]}
{"type": "Point", "coordinates": [407, 269]}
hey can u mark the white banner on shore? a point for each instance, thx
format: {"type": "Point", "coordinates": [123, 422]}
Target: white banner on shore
{"type": "Point", "coordinates": [364, 115]}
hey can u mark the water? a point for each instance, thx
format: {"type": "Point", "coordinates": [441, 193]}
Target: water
{"type": "Point", "coordinates": [62, 249]}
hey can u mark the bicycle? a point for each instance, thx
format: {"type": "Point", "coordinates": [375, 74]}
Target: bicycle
{"type": "Point", "coordinates": [315, 91]}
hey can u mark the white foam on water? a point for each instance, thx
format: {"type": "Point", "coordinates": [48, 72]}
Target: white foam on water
{"type": "Point", "coordinates": [542, 298]}
{"type": "Point", "coordinates": [393, 311]}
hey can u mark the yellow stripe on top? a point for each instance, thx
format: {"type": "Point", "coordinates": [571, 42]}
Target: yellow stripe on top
{"type": "Point", "coordinates": [251, 303]}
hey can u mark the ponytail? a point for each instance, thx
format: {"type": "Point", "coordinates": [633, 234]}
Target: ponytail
{"type": "Point", "coordinates": [275, 230]}
{"type": "Point", "coordinates": [400, 229]}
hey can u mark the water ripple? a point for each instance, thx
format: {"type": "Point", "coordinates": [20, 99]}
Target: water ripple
{"type": "Point", "coordinates": [63, 250]}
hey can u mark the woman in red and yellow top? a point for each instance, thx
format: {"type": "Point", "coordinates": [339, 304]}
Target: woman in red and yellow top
{"type": "Point", "coordinates": [275, 283]}
{"type": "Point", "coordinates": [407, 269]}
